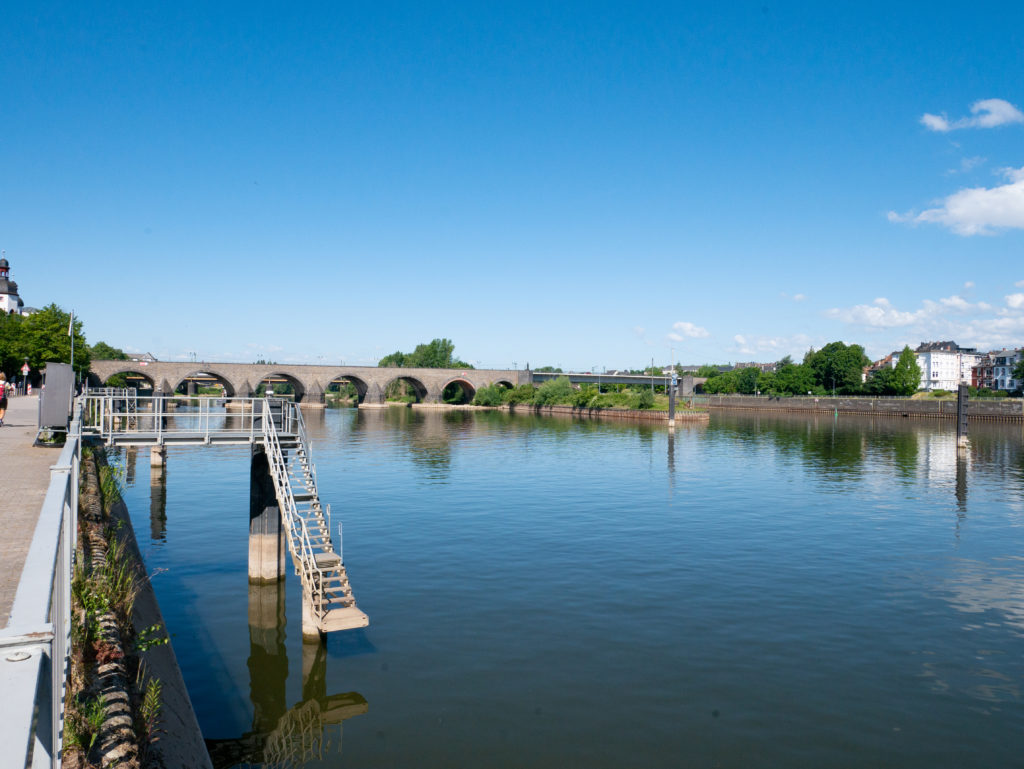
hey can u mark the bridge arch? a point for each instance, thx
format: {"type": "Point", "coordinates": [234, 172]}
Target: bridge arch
{"type": "Point", "coordinates": [126, 377]}
{"type": "Point", "coordinates": [229, 388]}
{"type": "Point", "coordinates": [504, 383]}
{"type": "Point", "coordinates": [273, 378]}
{"type": "Point", "coordinates": [401, 387]}
{"type": "Point", "coordinates": [458, 390]}
{"type": "Point", "coordinates": [360, 384]}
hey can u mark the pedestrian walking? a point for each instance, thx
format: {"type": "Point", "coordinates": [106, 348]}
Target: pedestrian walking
{"type": "Point", "coordinates": [3, 398]}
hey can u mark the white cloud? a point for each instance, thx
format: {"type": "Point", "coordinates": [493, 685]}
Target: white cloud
{"type": "Point", "coordinates": [878, 314]}
{"type": "Point", "coordinates": [973, 324]}
{"type": "Point", "coordinates": [1019, 284]}
{"type": "Point", "coordinates": [686, 329]}
{"type": "Point", "coordinates": [771, 347]}
{"type": "Point", "coordinates": [976, 210]}
{"type": "Point", "coordinates": [798, 297]}
{"type": "Point", "coordinates": [969, 285]}
{"type": "Point", "coordinates": [988, 113]}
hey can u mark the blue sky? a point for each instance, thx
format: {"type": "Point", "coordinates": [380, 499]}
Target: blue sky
{"type": "Point", "coordinates": [585, 185]}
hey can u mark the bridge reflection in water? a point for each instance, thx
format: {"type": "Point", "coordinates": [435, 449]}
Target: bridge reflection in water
{"type": "Point", "coordinates": [282, 736]}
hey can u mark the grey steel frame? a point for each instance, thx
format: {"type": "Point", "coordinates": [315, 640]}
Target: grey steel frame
{"type": "Point", "coordinates": [34, 647]}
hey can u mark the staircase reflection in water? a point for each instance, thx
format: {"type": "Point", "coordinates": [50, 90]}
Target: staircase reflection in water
{"type": "Point", "coordinates": [308, 731]}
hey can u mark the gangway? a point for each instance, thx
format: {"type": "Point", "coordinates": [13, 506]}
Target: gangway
{"type": "Point", "coordinates": [277, 426]}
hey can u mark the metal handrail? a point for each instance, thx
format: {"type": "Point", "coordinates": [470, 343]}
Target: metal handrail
{"type": "Point", "coordinates": [34, 647]}
{"type": "Point", "coordinates": [301, 546]}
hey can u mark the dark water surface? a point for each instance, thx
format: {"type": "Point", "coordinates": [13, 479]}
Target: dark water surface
{"type": "Point", "coordinates": [542, 592]}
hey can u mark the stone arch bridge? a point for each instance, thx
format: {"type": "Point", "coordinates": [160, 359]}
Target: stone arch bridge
{"type": "Point", "coordinates": [309, 381]}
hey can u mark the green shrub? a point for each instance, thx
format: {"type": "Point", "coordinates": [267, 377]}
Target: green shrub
{"type": "Point", "coordinates": [522, 394]}
{"type": "Point", "coordinates": [491, 395]}
{"type": "Point", "coordinates": [555, 391]}
{"type": "Point", "coordinates": [642, 399]}
{"type": "Point", "coordinates": [583, 397]}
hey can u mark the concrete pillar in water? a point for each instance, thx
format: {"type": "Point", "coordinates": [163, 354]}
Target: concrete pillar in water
{"type": "Point", "coordinates": [157, 456]}
{"type": "Point", "coordinates": [266, 533]}
{"type": "Point", "coordinates": [310, 630]}
{"type": "Point", "coordinates": [961, 418]}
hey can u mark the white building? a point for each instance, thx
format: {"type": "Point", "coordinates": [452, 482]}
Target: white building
{"type": "Point", "coordinates": [945, 365]}
{"type": "Point", "coordinates": [1003, 362]}
{"type": "Point", "coordinates": [10, 302]}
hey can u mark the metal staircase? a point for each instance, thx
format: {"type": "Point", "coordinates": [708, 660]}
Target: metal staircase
{"type": "Point", "coordinates": [308, 525]}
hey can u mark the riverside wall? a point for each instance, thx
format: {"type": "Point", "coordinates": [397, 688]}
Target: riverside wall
{"type": "Point", "coordinates": [641, 415]}
{"type": "Point", "coordinates": [978, 409]}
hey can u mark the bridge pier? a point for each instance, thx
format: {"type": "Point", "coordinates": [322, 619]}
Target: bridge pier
{"type": "Point", "coordinates": [266, 532]}
{"type": "Point", "coordinates": [374, 396]}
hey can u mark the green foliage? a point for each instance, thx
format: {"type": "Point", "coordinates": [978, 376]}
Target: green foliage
{"type": "Point", "coordinates": [147, 726]}
{"type": "Point", "coordinates": [906, 374]}
{"type": "Point", "coordinates": [548, 370]}
{"type": "Point", "coordinates": [110, 486]}
{"type": "Point", "coordinates": [642, 399]}
{"type": "Point", "coordinates": [438, 353]}
{"type": "Point", "coordinates": [838, 366]}
{"type": "Point", "coordinates": [903, 379]}
{"type": "Point", "coordinates": [104, 351]}
{"type": "Point", "coordinates": [707, 371]}
{"type": "Point", "coordinates": [83, 722]}
{"type": "Point", "coordinates": [491, 395]}
{"type": "Point", "coordinates": [524, 393]}
{"type": "Point", "coordinates": [149, 637]}
{"type": "Point", "coordinates": [583, 398]}
{"type": "Point", "coordinates": [554, 391]}
{"type": "Point", "coordinates": [1018, 370]}
{"type": "Point", "coordinates": [454, 394]}
{"type": "Point", "coordinates": [41, 337]}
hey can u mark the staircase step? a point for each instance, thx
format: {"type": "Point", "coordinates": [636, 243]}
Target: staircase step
{"type": "Point", "coordinates": [327, 560]}
{"type": "Point", "coordinates": [345, 618]}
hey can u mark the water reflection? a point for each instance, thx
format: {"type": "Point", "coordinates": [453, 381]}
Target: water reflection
{"type": "Point", "coordinates": [158, 503]}
{"type": "Point", "coordinates": [308, 731]}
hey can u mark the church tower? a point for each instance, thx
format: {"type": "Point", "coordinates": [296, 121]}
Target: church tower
{"type": "Point", "coordinates": [10, 302]}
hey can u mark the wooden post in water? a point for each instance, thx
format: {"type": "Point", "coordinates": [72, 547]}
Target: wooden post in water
{"type": "Point", "coordinates": [961, 418]}
{"type": "Point", "coordinates": [266, 532]}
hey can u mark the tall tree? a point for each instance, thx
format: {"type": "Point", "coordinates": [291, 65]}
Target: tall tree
{"type": "Point", "coordinates": [906, 374]}
{"type": "Point", "coordinates": [104, 351]}
{"type": "Point", "coordinates": [438, 353]}
{"type": "Point", "coordinates": [41, 337]}
{"type": "Point", "coordinates": [838, 366]}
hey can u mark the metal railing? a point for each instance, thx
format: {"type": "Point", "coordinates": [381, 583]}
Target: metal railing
{"type": "Point", "coordinates": [300, 543]}
{"type": "Point", "coordinates": [160, 419]}
{"type": "Point", "coordinates": [35, 644]}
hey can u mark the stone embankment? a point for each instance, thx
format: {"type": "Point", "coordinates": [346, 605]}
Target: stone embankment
{"type": "Point", "coordinates": [180, 743]}
{"type": "Point", "coordinates": [641, 415]}
{"type": "Point", "coordinates": [983, 409]}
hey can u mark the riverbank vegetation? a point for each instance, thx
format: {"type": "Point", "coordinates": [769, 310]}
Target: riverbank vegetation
{"type": "Point", "coordinates": [836, 368]}
{"type": "Point", "coordinates": [113, 711]}
{"type": "Point", "coordinates": [561, 392]}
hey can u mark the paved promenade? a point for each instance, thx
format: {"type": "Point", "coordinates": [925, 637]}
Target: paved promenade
{"type": "Point", "coordinates": [24, 476]}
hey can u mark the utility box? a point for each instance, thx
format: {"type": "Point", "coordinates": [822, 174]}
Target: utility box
{"type": "Point", "coordinates": [56, 396]}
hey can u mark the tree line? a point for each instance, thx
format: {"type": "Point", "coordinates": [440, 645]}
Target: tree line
{"type": "Point", "coordinates": [835, 368]}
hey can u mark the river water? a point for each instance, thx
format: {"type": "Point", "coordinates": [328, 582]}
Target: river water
{"type": "Point", "coordinates": [546, 592]}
